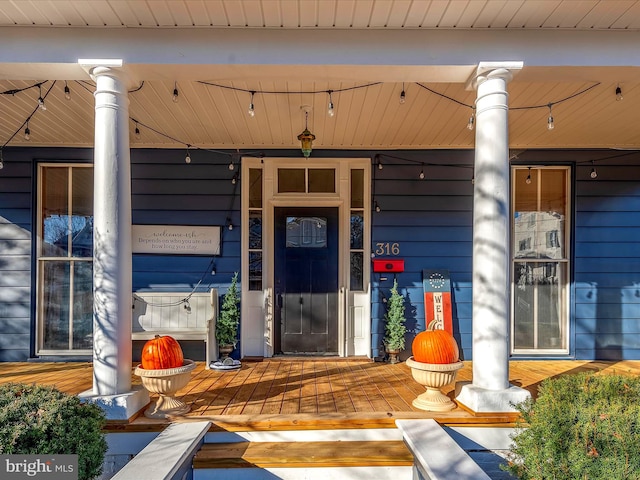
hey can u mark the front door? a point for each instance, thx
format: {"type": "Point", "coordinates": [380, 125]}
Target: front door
{"type": "Point", "coordinates": [306, 280]}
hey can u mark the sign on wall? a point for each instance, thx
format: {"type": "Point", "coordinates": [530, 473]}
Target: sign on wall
{"type": "Point", "coordinates": [175, 239]}
{"type": "Point", "coordinates": [437, 299]}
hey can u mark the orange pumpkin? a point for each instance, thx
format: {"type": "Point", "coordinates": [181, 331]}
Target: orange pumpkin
{"type": "Point", "coordinates": [162, 352]}
{"type": "Point", "coordinates": [435, 346]}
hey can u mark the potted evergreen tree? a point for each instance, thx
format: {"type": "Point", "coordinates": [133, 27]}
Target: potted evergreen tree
{"type": "Point", "coordinates": [228, 320]}
{"type": "Point", "coordinates": [394, 328]}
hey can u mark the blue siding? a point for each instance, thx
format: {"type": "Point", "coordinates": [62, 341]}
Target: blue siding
{"type": "Point", "coordinates": [607, 261]}
{"type": "Point", "coordinates": [431, 220]}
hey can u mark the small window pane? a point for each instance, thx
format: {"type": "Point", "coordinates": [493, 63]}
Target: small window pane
{"type": "Point", "coordinates": [306, 232]}
{"type": "Point", "coordinates": [82, 220]}
{"type": "Point", "coordinates": [255, 270]}
{"type": "Point", "coordinates": [55, 304]}
{"type": "Point", "coordinates": [357, 188]}
{"type": "Point", "coordinates": [356, 282]}
{"type": "Point", "coordinates": [83, 305]}
{"type": "Point", "coordinates": [255, 230]}
{"type": "Point", "coordinates": [322, 180]}
{"type": "Point", "coordinates": [357, 230]}
{"type": "Point", "coordinates": [55, 212]}
{"type": "Point", "coordinates": [291, 180]}
{"type": "Point", "coordinates": [255, 188]}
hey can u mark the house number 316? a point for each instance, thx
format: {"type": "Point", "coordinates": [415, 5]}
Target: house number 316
{"type": "Point", "coordinates": [386, 248]}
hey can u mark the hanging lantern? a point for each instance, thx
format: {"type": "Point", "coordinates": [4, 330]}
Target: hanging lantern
{"type": "Point", "coordinates": [306, 137]}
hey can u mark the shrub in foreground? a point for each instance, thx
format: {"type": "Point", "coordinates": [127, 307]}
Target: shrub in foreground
{"type": "Point", "coordinates": [36, 419]}
{"type": "Point", "coordinates": [580, 427]}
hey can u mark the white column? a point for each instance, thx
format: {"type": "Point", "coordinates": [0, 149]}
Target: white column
{"type": "Point", "coordinates": [490, 390]}
{"type": "Point", "coordinates": [112, 284]}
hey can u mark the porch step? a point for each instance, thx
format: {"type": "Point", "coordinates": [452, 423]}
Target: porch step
{"type": "Point", "coordinates": [303, 454]}
{"type": "Point", "coordinates": [311, 460]}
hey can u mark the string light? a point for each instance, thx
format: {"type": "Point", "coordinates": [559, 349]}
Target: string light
{"type": "Point", "coordinates": [528, 179]}
{"type": "Point", "coordinates": [229, 223]}
{"type": "Point", "coordinates": [41, 104]}
{"type": "Point", "coordinates": [176, 94]}
{"type": "Point", "coordinates": [618, 93]}
{"type": "Point", "coordinates": [187, 159]}
{"type": "Point", "coordinates": [137, 131]}
{"type": "Point", "coordinates": [1, 160]}
{"type": "Point", "coordinates": [252, 111]}
{"type": "Point", "coordinates": [403, 95]}
{"type": "Point", "coordinates": [376, 206]}
{"type": "Point", "coordinates": [67, 91]}
{"type": "Point", "coordinates": [234, 179]}
{"type": "Point", "coordinates": [330, 110]}
{"type": "Point", "coordinates": [550, 125]}
{"type": "Point", "coordinates": [472, 121]}
{"type": "Point", "coordinates": [421, 176]}
{"type": "Point", "coordinates": [27, 132]}
{"type": "Point", "coordinates": [231, 165]}
{"type": "Point", "coordinates": [594, 173]}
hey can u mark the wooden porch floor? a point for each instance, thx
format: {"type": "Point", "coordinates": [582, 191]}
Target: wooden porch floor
{"type": "Point", "coordinates": [304, 391]}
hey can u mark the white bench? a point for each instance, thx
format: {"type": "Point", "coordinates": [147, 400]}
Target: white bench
{"type": "Point", "coordinates": [172, 313]}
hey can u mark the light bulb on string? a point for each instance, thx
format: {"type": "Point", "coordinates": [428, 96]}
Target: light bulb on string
{"type": "Point", "coordinates": [234, 179]}
{"type": "Point", "coordinates": [550, 124]}
{"type": "Point", "coordinates": [187, 159]}
{"type": "Point", "coordinates": [176, 94]}
{"type": "Point", "coordinates": [403, 95]}
{"type": "Point", "coordinates": [27, 132]}
{"type": "Point", "coordinates": [1, 160]}
{"type": "Point", "coordinates": [594, 173]}
{"type": "Point", "coordinates": [330, 109]}
{"type": "Point", "coordinates": [41, 104]}
{"type": "Point", "coordinates": [231, 165]}
{"type": "Point", "coordinates": [618, 93]}
{"type": "Point", "coordinates": [472, 121]}
{"type": "Point", "coordinates": [229, 224]}
{"type": "Point", "coordinates": [67, 91]}
{"type": "Point", "coordinates": [252, 111]}
{"type": "Point", "coordinates": [528, 179]}
{"type": "Point", "coordinates": [137, 132]}
{"type": "Point", "coordinates": [421, 176]}
{"type": "Point", "coordinates": [376, 206]}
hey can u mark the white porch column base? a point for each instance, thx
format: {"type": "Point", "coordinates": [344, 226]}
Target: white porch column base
{"type": "Point", "coordinates": [478, 399]}
{"type": "Point", "coordinates": [122, 406]}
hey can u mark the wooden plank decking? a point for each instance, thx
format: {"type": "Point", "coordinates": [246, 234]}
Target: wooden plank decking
{"type": "Point", "coordinates": [306, 392]}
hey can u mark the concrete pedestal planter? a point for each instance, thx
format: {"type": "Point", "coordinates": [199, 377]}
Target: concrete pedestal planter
{"type": "Point", "coordinates": [433, 377]}
{"type": "Point", "coordinates": [166, 383]}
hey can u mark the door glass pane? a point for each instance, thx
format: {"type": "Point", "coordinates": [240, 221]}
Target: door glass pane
{"type": "Point", "coordinates": [291, 180]}
{"type": "Point", "coordinates": [82, 218]}
{"type": "Point", "coordinates": [83, 305]}
{"type": "Point", "coordinates": [357, 188]}
{"type": "Point", "coordinates": [255, 230]}
{"type": "Point", "coordinates": [255, 188]}
{"type": "Point", "coordinates": [356, 282]}
{"type": "Point", "coordinates": [306, 232]}
{"type": "Point", "coordinates": [55, 212]}
{"type": "Point", "coordinates": [322, 180]}
{"type": "Point", "coordinates": [357, 230]}
{"type": "Point", "coordinates": [55, 305]}
{"type": "Point", "coordinates": [255, 270]}
{"type": "Point", "coordinates": [538, 305]}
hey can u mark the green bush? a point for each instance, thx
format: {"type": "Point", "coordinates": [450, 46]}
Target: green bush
{"type": "Point", "coordinates": [36, 419]}
{"type": "Point", "coordinates": [580, 427]}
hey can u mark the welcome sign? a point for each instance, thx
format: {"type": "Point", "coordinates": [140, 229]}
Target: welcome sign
{"type": "Point", "coordinates": [175, 239]}
{"type": "Point", "coordinates": [437, 299]}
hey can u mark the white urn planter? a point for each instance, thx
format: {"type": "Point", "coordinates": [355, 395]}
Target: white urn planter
{"type": "Point", "coordinates": [166, 383]}
{"type": "Point", "coordinates": [433, 377]}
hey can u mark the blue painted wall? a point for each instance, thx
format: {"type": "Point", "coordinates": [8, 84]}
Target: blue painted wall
{"type": "Point", "coordinates": [430, 219]}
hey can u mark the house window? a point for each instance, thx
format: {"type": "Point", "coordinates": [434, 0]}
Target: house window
{"type": "Point", "coordinates": [540, 320]}
{"type": "Point", "coordinates": [65, 258]}
{"type": "Point", "coordinates": [306, 180]}
{"type": "Point", "coordinates": [356, 243]}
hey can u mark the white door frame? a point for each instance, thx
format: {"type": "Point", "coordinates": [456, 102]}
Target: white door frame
{"type": "Point", "coordinates": [354, 308]}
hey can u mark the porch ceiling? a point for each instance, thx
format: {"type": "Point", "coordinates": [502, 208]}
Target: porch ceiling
{"type": "Point", "coordinates": [366, 117]}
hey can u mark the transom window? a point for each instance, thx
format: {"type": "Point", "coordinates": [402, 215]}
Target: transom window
{"type": "Point", "coordinates": [306, 180]}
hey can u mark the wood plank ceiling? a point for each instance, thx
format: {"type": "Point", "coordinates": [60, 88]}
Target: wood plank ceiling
{"type": "Point", "coordinates": [368, 118]}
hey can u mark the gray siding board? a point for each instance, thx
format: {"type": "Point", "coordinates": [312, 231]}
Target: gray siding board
{"type": "Point", "coordinates": [15, 310]}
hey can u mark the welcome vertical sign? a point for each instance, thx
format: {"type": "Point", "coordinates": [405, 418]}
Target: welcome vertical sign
{"type": "Point", "coordinates": [437, 299]}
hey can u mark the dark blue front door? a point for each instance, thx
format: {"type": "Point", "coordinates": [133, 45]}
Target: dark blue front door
{"type": "Point", "coordinates": [306, 280]}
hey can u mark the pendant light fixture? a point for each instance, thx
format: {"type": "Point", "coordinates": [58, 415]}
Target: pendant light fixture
{"type": "Point", "coordinates": [306, 137]}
